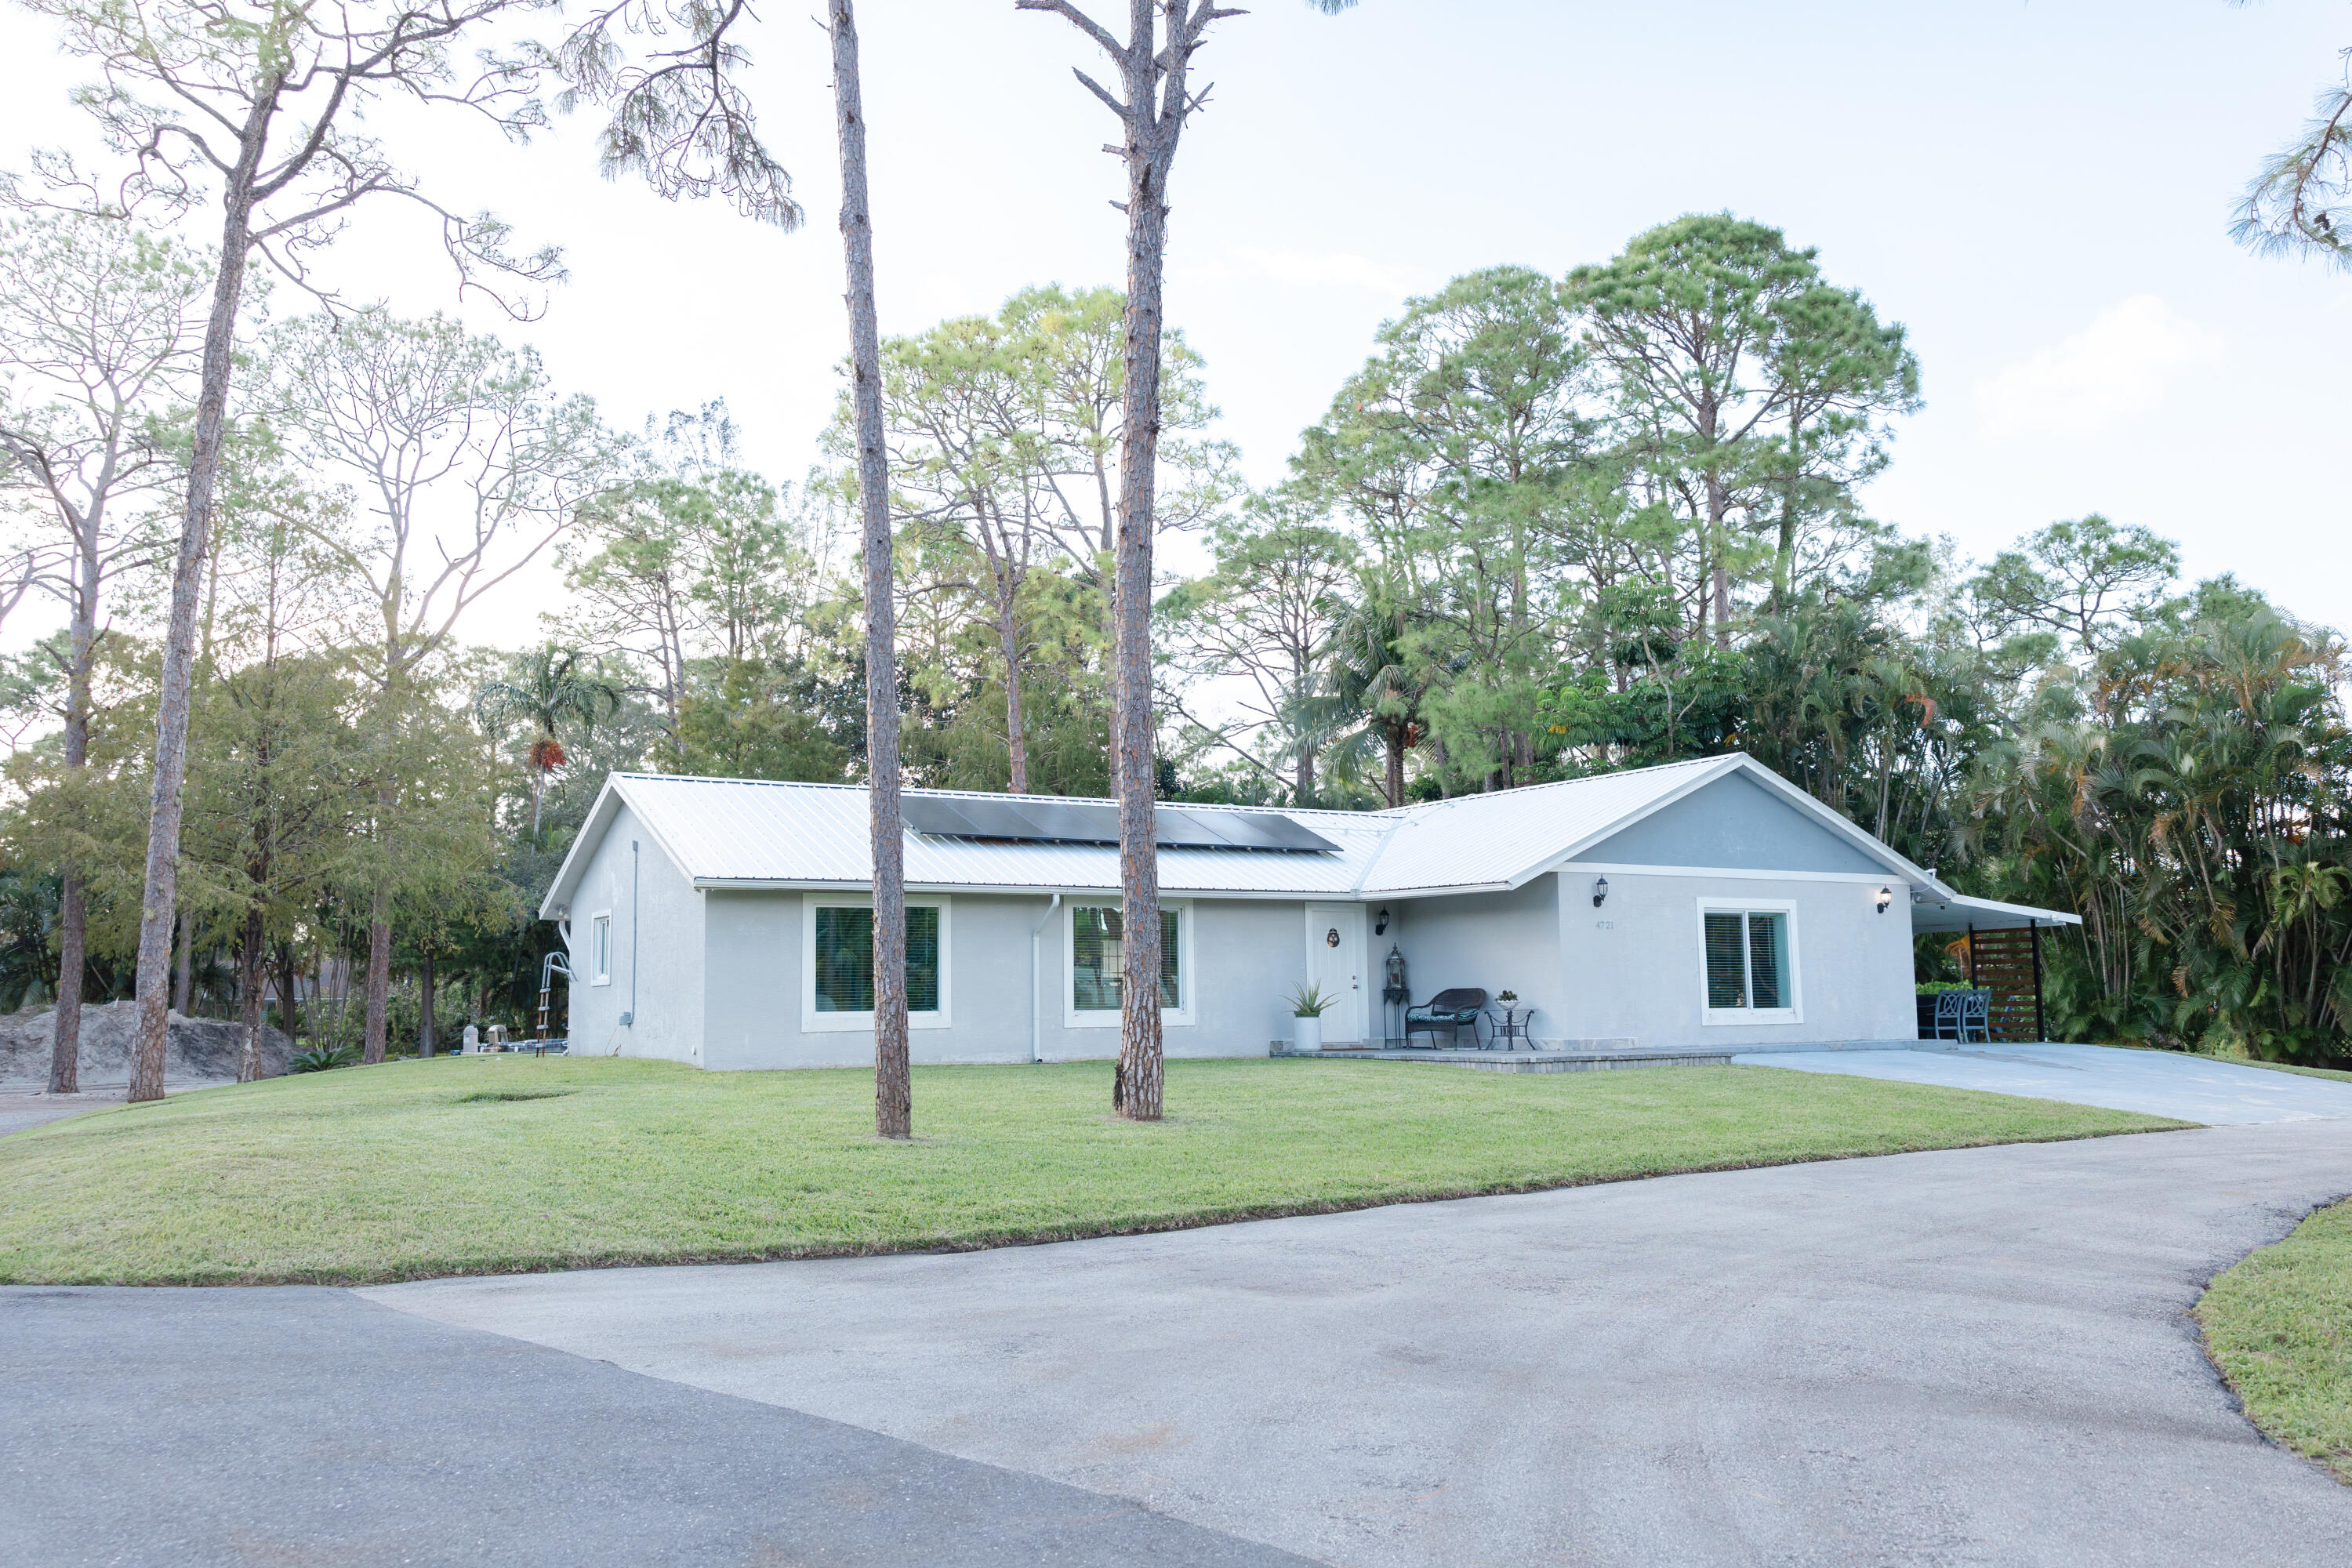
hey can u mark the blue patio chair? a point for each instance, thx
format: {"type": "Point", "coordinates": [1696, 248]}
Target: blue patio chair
{"type": "Point", "coordinates": [1977, 1011]}
{"type": "Point", "coordinates": [1958, 1011]}
{"type": "Point", "coordinates": [1454, 1010]}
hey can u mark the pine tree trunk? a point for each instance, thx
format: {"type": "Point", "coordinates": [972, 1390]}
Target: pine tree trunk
{"type": "Point", "coordinates": [160, 894]}
{"type": "Point", "coordinates": [65, 1044]}
{"type": "Point", "coordinates": [1719, 507]}
{"type": "Point", "coordinates": [73, 913]}
{"type": "Point", "coordinates": [893, 1091]}
{"type": "Point", "coordinates": [1784, 555]}
{"type": "Point", "coordinates": [1150, 152]}
{"type": "Point", "coordinates": [426, 1039]}
{"type": "Point", "coordinates": [378, 978]}
{"type": "Point", "coordinates": [250, 982]}
{"type": "Point", "coordinates": [288, 991]}
{"type": "Point", "coordinates": [1008, 632]}
{"type": "Point", "coordinates": [183, 967]}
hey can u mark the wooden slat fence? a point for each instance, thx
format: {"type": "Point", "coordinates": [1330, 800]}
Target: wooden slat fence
{"type": "Point", "coordinates": [2005, 964]}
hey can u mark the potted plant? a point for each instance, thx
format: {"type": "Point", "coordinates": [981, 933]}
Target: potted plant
{"type": "Point", "coordinates": [1507, 998]}
{"type": "Point", "coordinates": [1307, 1005]}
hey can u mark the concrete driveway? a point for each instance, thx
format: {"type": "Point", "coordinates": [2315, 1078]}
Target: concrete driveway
{"type": "Point", "coordinates": [2153, 1083]}
{"type": "Point", "coordinates": [1961, 1357]}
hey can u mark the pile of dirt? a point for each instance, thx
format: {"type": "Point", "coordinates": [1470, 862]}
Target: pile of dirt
{"type": "Point", "coordinates": [197, 1050]}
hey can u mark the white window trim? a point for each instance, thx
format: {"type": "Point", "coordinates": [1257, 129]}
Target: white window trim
{"type": "Point", "coordinates": [816, 1023]}
{"type": "Point", "coordinates": [1792, 1014]}
{"type": "Point", "coordinates": [1108, 1017]}
{"type": "Point", "coordinates": [600, 963]}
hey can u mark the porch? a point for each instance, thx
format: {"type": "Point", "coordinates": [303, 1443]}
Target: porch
{"type": "Point", "coordinates": [1587, 1056]}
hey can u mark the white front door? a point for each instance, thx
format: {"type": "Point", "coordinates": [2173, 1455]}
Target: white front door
{"type": "Point", "coordinates": [1334, 965]}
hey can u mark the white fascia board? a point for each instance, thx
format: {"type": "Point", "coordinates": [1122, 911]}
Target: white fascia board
{"type": "Point", "coordinates": [1443, 891]}
{"type": "Point", "coordinates": [575, 859]}
{"type": "Point", "coordinates": [1729, 873]}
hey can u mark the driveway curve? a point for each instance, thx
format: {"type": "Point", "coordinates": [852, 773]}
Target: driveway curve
{"type": "Point", "coordinates": [1960, 1357]}
{"type": "Point", "coordinates": [2171, 1084]}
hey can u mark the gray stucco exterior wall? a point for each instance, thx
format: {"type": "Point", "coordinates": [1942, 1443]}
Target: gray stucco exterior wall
{"type": "Point", "coordinates": [1635, 968]}
{"type": "Point", "coordinates": [1245, 957]}
{"type": "Point", "coordinates": [657, 941]}
{"type": "Point", "coordinates": [1737, 823]}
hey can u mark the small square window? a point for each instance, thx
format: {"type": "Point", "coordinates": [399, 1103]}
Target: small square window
{"type": "Point", "coordinates": [1095, 955]}
{"type": "Point", "coordinates": [845, 959]}
{"type": "Point", "coordinates": [1748, 965]}
{"type": "Point", "coordinates": [837, 960]}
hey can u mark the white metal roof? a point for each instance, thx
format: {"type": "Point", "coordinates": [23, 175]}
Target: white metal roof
{"type": "Point", "coordinates": [746, 833]}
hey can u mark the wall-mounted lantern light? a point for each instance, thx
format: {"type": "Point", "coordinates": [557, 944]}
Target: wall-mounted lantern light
{"type": "Point", "coordinates": [1380, 923]}
{"type": "Point", "coordinates": [1600, 890]}
{"type": "Point", "coordinates": [1886, 896]}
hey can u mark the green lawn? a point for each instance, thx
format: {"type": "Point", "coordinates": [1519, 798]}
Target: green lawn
{"type": "Point", "coordinates": [2279, 1326]}
{"type": "Point", "coordinates": [489, 1165]}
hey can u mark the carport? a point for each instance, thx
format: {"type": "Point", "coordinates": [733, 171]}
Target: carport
{"type": "Point", "coordinates": [2003, 948]}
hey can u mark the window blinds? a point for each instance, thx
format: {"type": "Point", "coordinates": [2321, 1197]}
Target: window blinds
{"type": "Point", "coordinates": [1727, 970]}
{"type": "Point", "coordinates": [1768, 968]}
{"type": "Point", "coordinates": [845, 960]}
{"type": "Point", "coordinates": [1096, 954]}
{"type": "Point", "coordinates": [1747, 960]}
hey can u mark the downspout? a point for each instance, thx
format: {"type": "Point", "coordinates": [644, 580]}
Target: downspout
{"type": "Point", "coordinates": [1034, 932]}
{"type": "Point", "coordinates": [629, 1018]}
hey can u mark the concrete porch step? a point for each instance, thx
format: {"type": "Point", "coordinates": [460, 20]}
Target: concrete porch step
{"type": "Point", "coordinates": [1571, 1058]}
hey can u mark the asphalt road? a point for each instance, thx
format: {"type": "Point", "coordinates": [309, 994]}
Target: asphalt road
{"type": "Point", "coordinates": [307, 1428]}
{"type": "Point", "coordinates": [1978, 1356]}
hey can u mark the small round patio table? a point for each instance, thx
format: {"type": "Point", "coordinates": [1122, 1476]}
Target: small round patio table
{"type": "Point", "coordinates": [1511, 1023]}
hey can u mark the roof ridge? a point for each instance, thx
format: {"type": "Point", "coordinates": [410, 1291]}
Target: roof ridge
{"type": "Point", "coordinates": [1332, 811]}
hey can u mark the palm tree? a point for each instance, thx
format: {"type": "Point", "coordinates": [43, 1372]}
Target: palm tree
{"type": "Point", "coordinates": [549, 687]}
{"type": "Point", "coordinates": [1374, 695]}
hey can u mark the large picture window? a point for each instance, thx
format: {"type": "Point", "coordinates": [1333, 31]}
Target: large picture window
{"type": "Point", "coordinates": [1096, 953]}
{"type": "Point", "coordinates": [1749, 963]}
{"type": "Point", "coordinates": [837, 963]}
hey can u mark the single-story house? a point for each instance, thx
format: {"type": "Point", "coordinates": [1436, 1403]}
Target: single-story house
{"type": "Point", "coordinates": [726, 921]}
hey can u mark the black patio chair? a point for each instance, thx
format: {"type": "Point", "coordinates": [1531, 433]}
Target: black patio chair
{"type": "Point", "coordinates": [1452, 1010]}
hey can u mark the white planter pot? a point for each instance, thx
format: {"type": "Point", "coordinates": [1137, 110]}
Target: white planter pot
{"type": "Point", "coordinates": [1306, 1035]}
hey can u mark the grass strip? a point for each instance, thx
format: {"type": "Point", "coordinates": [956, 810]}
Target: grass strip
{"type": "Point", "coordinates": [2279, 1325]}
{"type": "Point", "coordinates": [494, 1165]}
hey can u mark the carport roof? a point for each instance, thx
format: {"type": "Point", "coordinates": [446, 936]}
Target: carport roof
{"type": "Point", "coordinates": [746, 833]}
{"type": "Point", "coordinates": [1937, 908]}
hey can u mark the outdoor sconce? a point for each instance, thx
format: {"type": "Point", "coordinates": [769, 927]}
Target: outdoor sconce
{"type": "Point", "coordinates": [1380, 923]}
{"type": "Point", "coordinates": [1886, 896]}
{"type": "Point", "coordinates": [1600, 890]}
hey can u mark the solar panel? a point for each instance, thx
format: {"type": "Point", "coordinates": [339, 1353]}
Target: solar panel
{"type": "Point", "coordinates": [1266, 830]}
{"type": "Point", "coordinates": [1033, 819]}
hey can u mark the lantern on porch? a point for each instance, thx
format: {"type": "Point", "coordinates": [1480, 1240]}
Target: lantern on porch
{"type": "Point", "coordinates": [1393, 992]}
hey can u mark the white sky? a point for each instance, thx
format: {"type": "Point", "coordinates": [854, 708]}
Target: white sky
{"type": "Point", "coordinates": [2040, 192]}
